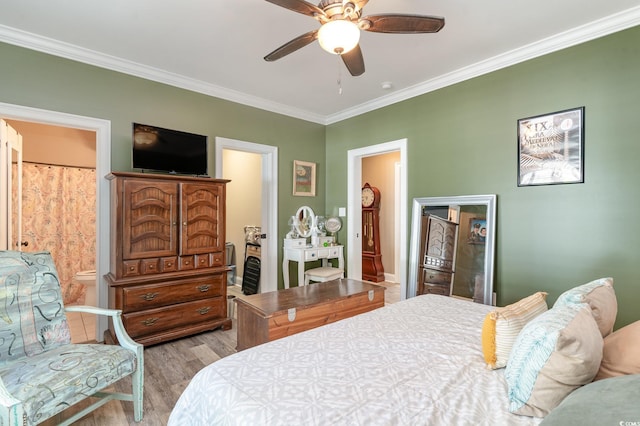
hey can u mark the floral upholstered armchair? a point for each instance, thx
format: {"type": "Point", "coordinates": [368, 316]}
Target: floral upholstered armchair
{"type": "Point", "coordinates": [41, 371]}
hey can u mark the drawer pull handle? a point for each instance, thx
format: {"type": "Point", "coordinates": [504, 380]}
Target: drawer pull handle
{"type": "Point", "coordinates": [204, 310]}
{"type": "Point", "coordinates": [186, 262]}
{"type": "Point", "coordinates": [203, 288]}
{"type": "Point", "coordinates": [149, 296]}
{"type": "Point", "coordinates": [131, 268]}
{"type": "Point", "coordinates": [150, 266]}
{"type": "Point", "coordinates": [169, 264]}
{"type": "Point", "coordinates": [149, 321]}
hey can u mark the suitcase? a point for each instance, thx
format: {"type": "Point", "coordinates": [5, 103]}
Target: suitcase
{"type": "Point", "coordinates": [251, 275]}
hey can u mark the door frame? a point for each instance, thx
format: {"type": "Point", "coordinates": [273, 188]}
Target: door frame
{"type": "Point", "coordinates": [103, 167]}
{"type": "Point", "coordinates": [269, 208]}
{"type": "Point", "coordinates": [354, 206]}
{"type": "Point", "coordinates": [11, 145]}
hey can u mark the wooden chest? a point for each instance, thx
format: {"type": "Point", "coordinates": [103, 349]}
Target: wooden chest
{"type": "Point", "coordinates": [273, 315]}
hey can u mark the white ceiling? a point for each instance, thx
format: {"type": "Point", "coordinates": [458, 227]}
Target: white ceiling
{"type": "Point", "coordinates": [217, 47]}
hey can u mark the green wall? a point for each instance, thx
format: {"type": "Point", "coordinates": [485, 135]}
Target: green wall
{"type": "Point", "coordinates": [462, 140]}
{"type": "Point", "coordinates": [43, 81]}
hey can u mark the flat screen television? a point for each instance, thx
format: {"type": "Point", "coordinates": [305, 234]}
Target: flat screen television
{"type": "Point", "coordinates": [164, 150]}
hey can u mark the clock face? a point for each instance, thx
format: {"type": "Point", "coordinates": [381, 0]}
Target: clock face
{"type": "Point", "coordinates": [367, 197]}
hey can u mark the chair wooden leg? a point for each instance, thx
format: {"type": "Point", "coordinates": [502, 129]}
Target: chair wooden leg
{"type": "Point", "coordinates": [137, 383]}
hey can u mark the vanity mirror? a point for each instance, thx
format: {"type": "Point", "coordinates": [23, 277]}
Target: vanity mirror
{"type": "Point", "coordinates": [304, 221]}
{"type": "Point", "coordinates": [452, 247]}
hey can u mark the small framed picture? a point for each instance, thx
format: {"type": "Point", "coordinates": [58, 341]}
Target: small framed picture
{"type": "Point", "coordinates": [304, 178]}
{"type": "Point", "coordinates": [551, 148]}
{"type": "Point", "coordinates": [477, 230]}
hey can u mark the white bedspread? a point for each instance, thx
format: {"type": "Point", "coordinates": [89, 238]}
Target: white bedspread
{"type": "Point", "coordinates": [416, 362]}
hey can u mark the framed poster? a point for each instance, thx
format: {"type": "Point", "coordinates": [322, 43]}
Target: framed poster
{"type": "Point", "coordinates": [551, 148]}
{"type": "Point", "coordinates": [304, 178]}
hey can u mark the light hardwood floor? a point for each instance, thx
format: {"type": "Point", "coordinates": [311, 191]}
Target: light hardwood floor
{"type": "Point", "coordinates": [168, 369]}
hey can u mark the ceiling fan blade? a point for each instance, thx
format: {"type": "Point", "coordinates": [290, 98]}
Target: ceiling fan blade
{"type": "Point", "coordinates": [292, 46]}
{"type": "Point", "coordinates": [354, 61]}
{"type": "Point", "coordinates": [401, 24]}
{"type": "Point", "coordinates": [360, 4]}
{"type": "Point", "coordinates": [300, 6]}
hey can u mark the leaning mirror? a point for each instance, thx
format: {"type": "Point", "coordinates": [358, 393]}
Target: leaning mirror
{"type": "Point", "coordinates": [452, 247]}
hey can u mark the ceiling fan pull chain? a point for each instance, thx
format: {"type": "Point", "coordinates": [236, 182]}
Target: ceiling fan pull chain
{"type": "Point", "coordinates": [339, 76]}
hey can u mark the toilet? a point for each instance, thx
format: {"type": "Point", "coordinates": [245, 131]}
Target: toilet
{"type": "Point", "coordinates": [88, 279]}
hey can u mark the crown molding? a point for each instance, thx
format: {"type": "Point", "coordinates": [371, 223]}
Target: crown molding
{"type": "Point", "coordinates": [599, 28]}
{"type": "Point", "coordinates": [69, 51]}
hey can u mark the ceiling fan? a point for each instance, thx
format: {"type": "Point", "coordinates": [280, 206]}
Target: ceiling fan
{"type": "Point", "coordinates": [341, 24]}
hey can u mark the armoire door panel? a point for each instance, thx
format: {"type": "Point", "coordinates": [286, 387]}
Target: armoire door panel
{"type": "Point", "coordinates": [150, 214]}
{"type": "Point", "coordinates": [201, 218]}
{"type": "Point", "coordinates": [440, 244]}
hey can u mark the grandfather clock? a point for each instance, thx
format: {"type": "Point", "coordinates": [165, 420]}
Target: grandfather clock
{"type": "Point", "coordinates": [372, 269]}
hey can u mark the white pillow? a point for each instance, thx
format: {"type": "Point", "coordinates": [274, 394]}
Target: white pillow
{"type": "Point", "coordinates": [600, 296]}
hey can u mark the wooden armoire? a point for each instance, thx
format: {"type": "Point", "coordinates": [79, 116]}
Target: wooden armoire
{"type": "Point", "coordinates": [167, 266]}
{"type": "Point", "coordinates": [437, 255]}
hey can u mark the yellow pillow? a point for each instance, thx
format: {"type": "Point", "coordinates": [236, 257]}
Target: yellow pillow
{"type": "Point", "coordinates": [502, 325]}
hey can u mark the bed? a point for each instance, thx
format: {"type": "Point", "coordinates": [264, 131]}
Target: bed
{"type": "Point", "coordinates": [419, 361]}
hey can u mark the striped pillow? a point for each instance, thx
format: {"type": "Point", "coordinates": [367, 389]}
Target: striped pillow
{"type": "Point", "coordinates": [502, 326]}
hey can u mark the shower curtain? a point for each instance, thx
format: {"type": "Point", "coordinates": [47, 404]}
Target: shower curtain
{"type": "Point", "coordinates": [59, 215]}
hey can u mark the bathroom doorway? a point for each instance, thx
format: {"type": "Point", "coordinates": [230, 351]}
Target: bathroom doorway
{"type": "Point", "coordinates": [59, 200]}
{"type": "Point", "coordinates": [102, 133]}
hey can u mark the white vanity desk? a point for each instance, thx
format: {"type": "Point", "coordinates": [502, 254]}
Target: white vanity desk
{"type": "Point", "coordinates": [309, 254]}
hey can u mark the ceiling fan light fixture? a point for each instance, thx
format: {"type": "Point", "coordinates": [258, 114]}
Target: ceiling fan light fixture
{"type": "Point", "coordinates": [144, 135]}
{"type": "Point", "coordinates": [339, 36]}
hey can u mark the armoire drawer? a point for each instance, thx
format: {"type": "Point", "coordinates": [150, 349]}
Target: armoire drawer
{"type": "Point", "coordinates": [172, 292]}
{"type": "Point", "coordinates": [157, 320]}
{"type": "Point", "coordinates": [433, 276]}
{"type": "Point", "coordinates": [150, 266]}
{"type": "Point", "coordinates": [436, 289]}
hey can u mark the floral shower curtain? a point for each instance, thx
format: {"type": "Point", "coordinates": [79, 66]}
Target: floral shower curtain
{"type": "Point", "coordinates": [59, 215]}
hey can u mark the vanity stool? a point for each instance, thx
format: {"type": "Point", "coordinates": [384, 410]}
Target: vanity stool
{"type": "Point", "coordinates": [325, 273]}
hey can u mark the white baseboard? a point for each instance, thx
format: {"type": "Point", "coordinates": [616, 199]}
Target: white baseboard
{"type": "Point", "coordinates": [390, 278]}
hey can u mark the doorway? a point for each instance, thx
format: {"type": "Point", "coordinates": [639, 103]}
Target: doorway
{"type": "Point", "coordinates": [102, 129]}
{"type": "Point", "coordinates": [56, 209]}
{"type": "Point", "coordinates": [354, 206]}
{"type": "Point", "coordinates": [268, 207]}
{"type": "Point", "coordinates": [379, 171]}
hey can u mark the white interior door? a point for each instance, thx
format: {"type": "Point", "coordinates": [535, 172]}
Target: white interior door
{"type": "Point", "coordinates": [10, 187]}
